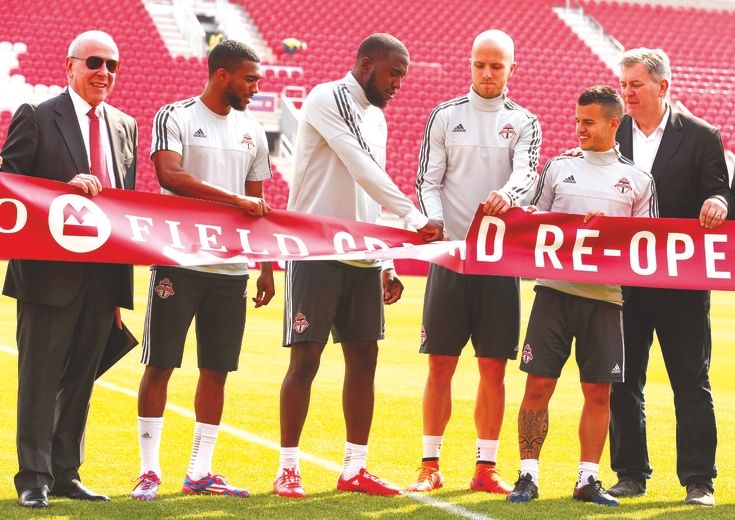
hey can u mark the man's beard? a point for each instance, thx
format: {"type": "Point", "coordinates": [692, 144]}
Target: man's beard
{"type": "Point", "coordinates": [373, 94]}
{"type": "Point", "coordinates": [234, 100]}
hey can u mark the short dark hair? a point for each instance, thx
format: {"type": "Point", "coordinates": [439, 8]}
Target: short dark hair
{"type": "Point", "coordinates": [605, 96]}
{"type": "Point", "coordinates": [229, 54]}
{"type": "Point", "coordinates": [380, 44]}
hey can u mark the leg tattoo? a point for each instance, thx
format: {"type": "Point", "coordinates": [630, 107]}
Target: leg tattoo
{"type": "Point", "coordinates": [533, 425]}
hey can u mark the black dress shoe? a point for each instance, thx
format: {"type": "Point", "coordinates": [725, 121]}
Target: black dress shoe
{"type": "Point", "coordinates": [77, 491]}
{"type": "Point", "coordinates": [628, 487]}
{"type": "Point", "coordinates": [35, 497]}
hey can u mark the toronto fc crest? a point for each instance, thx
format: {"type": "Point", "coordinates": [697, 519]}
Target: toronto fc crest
{"type": "Point", "coordinates": [164, 289]}
{"type": "Point", "coordinates": [300, 324]}
{"type": "Point", "coordinates": [527, 354]}
{"type": "Point", "coordinates": [623, 185]}
{"type": "Point", "coordinates": [507, 131]}
{"type": "Point", "coordinates": [248, 141]}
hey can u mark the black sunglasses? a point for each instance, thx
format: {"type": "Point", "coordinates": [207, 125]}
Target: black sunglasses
{"type": "Point", "coordinates": [95, 62]}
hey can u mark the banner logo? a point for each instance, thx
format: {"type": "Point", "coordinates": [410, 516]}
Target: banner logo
{"type": "Point", "coordinates": [77, 224]}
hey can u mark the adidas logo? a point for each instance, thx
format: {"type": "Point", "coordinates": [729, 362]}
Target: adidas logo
{"type": "Point", "coordinates": [459, 128]}
{"type": "Point", "coordinates": [146, 435]}
{"type": "Point", "coordinates": [200, 133]}
{"type": "Point", "coordinates": [616, 369]}
{"type": "Point", "coordinates": [570, 180]}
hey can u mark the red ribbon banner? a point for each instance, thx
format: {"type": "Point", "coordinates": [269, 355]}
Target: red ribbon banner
{"type": "Point", "coordinates": [661, 252]}
{"type": "Point", "coordinates": [47, 220]}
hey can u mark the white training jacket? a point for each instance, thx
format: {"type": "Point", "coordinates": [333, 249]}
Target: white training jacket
{"type": "Point", "coordinates": [472, 146]}
{"type": "Point", "coordinates": [595, 181]}
{"type": "Point", "coordinates": [340, 158]}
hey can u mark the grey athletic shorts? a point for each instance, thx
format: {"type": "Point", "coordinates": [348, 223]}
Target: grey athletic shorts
{"type": "Point", "coordinates": [175, 296]}
{"type": "Point", "coordinates": [556, 318]}
{"type": "Point", "coordinates": [459, 307]}
{"type": "Point", "coordinates": [326, 296]}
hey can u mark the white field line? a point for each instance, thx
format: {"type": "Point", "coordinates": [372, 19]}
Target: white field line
{"type": "Point", "coordinates": [267, 443]}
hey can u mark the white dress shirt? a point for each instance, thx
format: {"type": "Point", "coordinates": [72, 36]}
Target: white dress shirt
{"type": "Point", "coordinates": [81, 108]}
{"type": "Point", "coordinates": [645, 147]}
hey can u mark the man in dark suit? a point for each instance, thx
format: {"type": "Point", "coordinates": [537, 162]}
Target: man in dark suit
{"type": "Point", "coordinates": [686, 158]}
{"type": "Point", "coordinates": [65, 310]}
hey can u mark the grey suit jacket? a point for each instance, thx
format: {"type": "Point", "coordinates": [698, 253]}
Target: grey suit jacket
{"type": "Point", "coordinates": [46, 141]}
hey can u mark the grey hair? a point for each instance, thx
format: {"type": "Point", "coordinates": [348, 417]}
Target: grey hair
{"type": "Point", "coordinates": [96, 36]}
{"type": "Point", "coordinates": [656, 62]}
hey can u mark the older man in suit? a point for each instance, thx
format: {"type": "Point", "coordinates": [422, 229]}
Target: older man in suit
{"type": "Point", "coordinates": [686, 158]}
{"type": "Point", "coordinates": [66, 310]}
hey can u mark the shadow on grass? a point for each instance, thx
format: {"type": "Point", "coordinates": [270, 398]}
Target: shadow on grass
{"type": "Point", "coordinates": [327, 505]}
{"type": "Point", "coordinates": [338, 505]}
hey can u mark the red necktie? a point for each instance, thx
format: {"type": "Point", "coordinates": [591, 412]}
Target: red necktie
{"type": "Point", "coordinates": [98, 164]}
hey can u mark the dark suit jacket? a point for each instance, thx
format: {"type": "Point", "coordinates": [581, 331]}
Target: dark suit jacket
{"type": "Point", "coordinates": [689, 166]}
{"type": "Point", "coordinates": [46, 141]}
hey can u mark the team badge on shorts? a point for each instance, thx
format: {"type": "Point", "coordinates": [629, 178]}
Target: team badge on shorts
{"type": "Point", "coordinates": [507, 131]}
{"type": "Point", "coordinates": [300, 324]}
{"type": "Point", "coordinates": [423, 335]}
{"type": "Point", "coordinates": [248, 141]}
{"type": "Point", "coordinates": [623, 185]}
{"type": "Point", "coordinates": [527, 354]}
{"type": "Point", "coordinates": [164, 289]}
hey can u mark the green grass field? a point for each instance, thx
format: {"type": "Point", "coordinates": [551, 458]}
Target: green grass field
{"type": "Point", "coordinates": [247, 447]}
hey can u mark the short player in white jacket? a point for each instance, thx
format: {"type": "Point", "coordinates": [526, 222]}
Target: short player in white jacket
{"type": "Point", "coordinates": [340, 161]}
{"type": "Point", "coordinates": [599, 182]}
{"type": "Point", "coordinates": [479, 148]}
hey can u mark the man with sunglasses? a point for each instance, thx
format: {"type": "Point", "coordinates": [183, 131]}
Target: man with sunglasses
{"type": "Point", "coordinates": [66, 310]}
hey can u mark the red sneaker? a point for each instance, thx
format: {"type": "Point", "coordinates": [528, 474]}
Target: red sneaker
{"type": "Point", "coordinates": [364, 482]}
{"type": "Point", "coordinates": [487, 479]}
{"type": "Point", "coordinates": [288, 484]}
{"type": "Point", "coordinates": [429, 478]}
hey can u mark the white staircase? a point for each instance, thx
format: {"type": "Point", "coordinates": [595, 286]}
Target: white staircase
{"type": "Point", "coordinates": [238, 25]}
{"type": "Point", "coordinates": [162, 13]}
{"type": "Point", "coordinates": [591, 33]}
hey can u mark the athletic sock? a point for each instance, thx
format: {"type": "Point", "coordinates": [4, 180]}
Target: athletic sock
{"type": "Point", "coordinates": [432, 446]}
{"type": "Point", "coordinates": [205, 436]}
{"type": "Point", "coordinates": [487, 450]}
{"type": "Point", "coordinates": [289, 458]}
{"type": "Point", "coordinates": [149, 442]}
{"type": "Point", "coordinates": [355, 459]}
{"type": "Point", "coordinates": [587, 470]}
{"type": "Point", "coordinates": [530, 467]}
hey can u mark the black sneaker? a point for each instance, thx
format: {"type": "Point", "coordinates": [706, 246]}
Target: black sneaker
{"type": "Point", "coordinates": [524, 490]}
{"type": "Point", "coordinates": [595, 493]}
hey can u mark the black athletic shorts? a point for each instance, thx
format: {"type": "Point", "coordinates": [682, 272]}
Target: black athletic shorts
{"type": "Point", "coordinates": [218, 301]}
{"type": "Point", "coordinates": [459, 307]}
{"type": "Point", "coordinates": [326, 296]}
{"type": "Point", "coordinates": [557, 318]}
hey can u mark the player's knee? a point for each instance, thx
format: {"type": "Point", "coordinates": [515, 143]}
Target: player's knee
{"type": "Point", "coordinates": [441, 368]}
{"type": "Point", "coordinates": [492, 370]}
{"type": "Point", "coordinates": [156, 375]}
{"type": "Point", "coordinates": [538, 391]}
{"type": "Point", "coordinates": [596, 394]}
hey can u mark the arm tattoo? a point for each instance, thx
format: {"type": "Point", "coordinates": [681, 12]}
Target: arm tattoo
{"type": "Point", "coordinates": [533, 425]}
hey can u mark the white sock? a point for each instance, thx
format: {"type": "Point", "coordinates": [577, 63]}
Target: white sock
{"type": "Point", "coordinates": [355, 459]}
{"type": "Point", "coordinates": [432, 446]}
{"type": "Point", "coordinates": [587, 470]}
{"type": "Point", "coordinates": [487, 450]}
{"type": "Point", "coordinates": [530, 467]}
{"type": "Point", "coordinates": [149, 442]}
{"type": "Point", "coordinates": [205, 436]}
{"type": "Point", "coordinates": [289, 458]}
